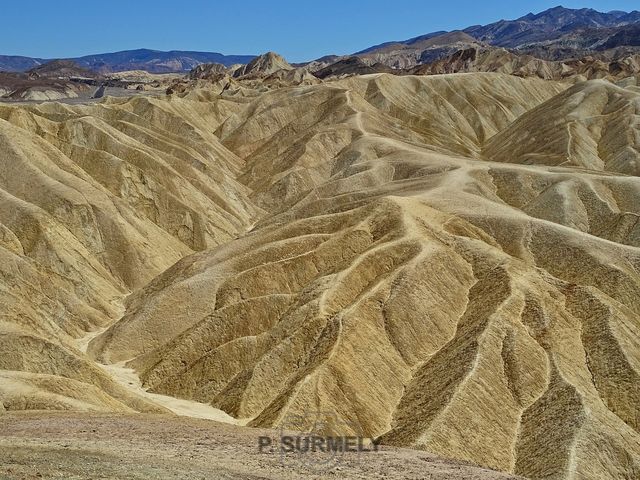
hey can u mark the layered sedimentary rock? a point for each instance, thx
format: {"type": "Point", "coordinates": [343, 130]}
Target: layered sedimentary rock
{"type": "Point", "coordinates": [499, 60]}
{"type": "Point", "coordinates": [96, 201]}
{"type": "Point", "coordinates": [434, 259]}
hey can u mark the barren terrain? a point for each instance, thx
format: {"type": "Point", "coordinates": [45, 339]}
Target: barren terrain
{"type": "Point", "coordinates": [450, 263]}
{"type": "Point", "coordinates": [81, 446]}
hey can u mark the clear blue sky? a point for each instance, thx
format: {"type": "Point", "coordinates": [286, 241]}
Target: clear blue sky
{"type": "Point", "coordinates": [299, 30]}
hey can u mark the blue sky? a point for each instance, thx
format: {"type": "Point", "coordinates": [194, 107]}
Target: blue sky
{"type": "Point", "coordinates": [299, 30]}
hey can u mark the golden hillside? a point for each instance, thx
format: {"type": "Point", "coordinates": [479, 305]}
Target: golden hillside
{"type": "Point", "coordinates": [451, 262]}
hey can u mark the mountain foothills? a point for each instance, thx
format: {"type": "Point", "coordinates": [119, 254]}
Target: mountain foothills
{"type": "Point", "coordinates": [448, 261]}
{"type": "Point", "coordinates": [553, 35]}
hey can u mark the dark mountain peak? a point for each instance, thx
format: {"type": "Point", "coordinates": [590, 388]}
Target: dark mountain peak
{"type": "Point", "coordinates": [550, 11]}
{"type": "Point", "coordinates": [563, 15]}
{"type": "Point", "coordinates": [351, 66]}
{"type": "Point", "coordinates": [55, 65]}
{"type": "Point", "coordinates": [548, 25]}
{"type": "Point", "coordinates": [556, 33]}
{"type": "Point", "coordinates": [16, 63]}
{"type": "Point", "coordinates": [60, 68]}
{"type": "Point", "coordinates": [408, 42]}
{"type": "Point", "coordinates": [631, 17]}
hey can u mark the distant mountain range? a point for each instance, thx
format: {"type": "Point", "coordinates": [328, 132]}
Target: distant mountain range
{"type": "Point", "coordinates": [549, 25]}
{"type": "Point", "coordinates": [555, 34]}
{"type": "Point", "coordinates": [154, 61]}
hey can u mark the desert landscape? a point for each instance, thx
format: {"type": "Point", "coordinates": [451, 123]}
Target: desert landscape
{"type": "Point", "coordinates": [436, 240]}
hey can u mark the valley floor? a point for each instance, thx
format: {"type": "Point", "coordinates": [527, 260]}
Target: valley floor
{"type": "Point", "coordinates": [92, 446]}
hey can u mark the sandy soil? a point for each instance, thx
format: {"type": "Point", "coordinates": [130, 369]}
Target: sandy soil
{"type": "Point", "coordinates": [187, 408]}
{"type": "Point", "coordinates": [128, 378]}
{"type": "Point", "coordinates": [83, 446]}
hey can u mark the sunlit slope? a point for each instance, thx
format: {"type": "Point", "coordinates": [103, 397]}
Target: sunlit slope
{"type": "Point", "coordinates": [412, 279]}
{"type": "Point", "coordinates": [593, 125]}
{"type": "Point", "coordinates": [291, 138]}
{"type": "Point", "coordinates": [96, 201]}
